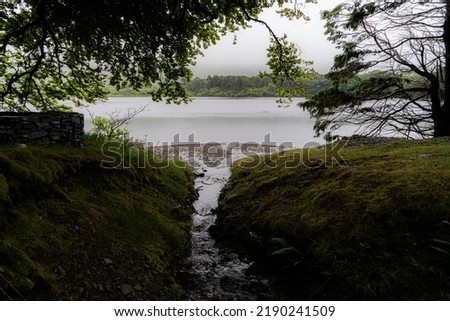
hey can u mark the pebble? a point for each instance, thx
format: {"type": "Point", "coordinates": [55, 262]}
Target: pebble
{"type": "Point", "coordinates": [208, 181]}
{"type": "Point", "coordinates": [425, 155]}
{"type": "Point", "coordinates": [61, 270]}
{"type": "Point", "coordinates": [108, 261]}
{"type": "Point", "coordinates": [126, 289]}
{"type": "Point", "coordinates": [199, 172]}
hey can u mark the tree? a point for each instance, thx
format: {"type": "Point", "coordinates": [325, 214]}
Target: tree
{"type": "Point", "coordinates": [111, 127]}
{"type": "Point", "coordinates": [391, 76]}
{"type": "Point", "coordinates": [58, 50]}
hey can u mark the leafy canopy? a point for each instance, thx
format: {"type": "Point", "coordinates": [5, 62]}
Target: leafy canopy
{"type": "Point", "coordinates": [58, 50]}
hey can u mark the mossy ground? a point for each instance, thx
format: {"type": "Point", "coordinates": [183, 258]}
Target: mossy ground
{"type": "Point", "coordinates": [372, 225]}
{"type": "Point", "coordinates": [72, 229]}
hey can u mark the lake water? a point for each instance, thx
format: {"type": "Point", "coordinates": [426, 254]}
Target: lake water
{"type": "Point", "coordinates": [221, 120]}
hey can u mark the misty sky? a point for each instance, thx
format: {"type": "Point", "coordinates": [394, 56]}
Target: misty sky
{"type": "Point", "coordinates": [248, 56]}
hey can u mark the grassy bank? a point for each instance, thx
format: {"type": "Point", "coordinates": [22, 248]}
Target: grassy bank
{"type": "Point", "coordinates": [374, 225]}
{"type": "Point", "coordinates": [71, 229]}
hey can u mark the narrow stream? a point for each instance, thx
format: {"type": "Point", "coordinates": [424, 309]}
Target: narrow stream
{"type": "Point", "coordinates": [214, 273]}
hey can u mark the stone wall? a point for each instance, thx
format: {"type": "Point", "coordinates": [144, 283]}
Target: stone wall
{"type": "Point", "coordinates": [41, 128]}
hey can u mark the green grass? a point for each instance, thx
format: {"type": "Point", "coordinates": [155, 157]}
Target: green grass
{"type": "Point", "coordinates": [62, 215]}
{"type": "Point", "coordinates": [376, 228]}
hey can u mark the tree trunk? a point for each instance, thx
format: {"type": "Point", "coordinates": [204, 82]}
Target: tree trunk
{"type": "Point", "coordinates": [441, 117]}
{"type": "Point", "coordinates": [442, 123]}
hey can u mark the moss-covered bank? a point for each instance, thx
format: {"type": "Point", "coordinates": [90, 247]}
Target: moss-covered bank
{"type": "Point", "coordinates": [376, 226]}
{"type": "Point", "coordinates": [71, 229]}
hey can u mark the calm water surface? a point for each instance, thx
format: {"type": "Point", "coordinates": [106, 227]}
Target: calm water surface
{"type": "Point", "coordinates": [220, 120]}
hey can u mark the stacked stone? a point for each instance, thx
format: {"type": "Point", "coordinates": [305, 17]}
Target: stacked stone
{"type": "Point", "coordinates": [368, 140]}
{"type": "Point", "coordinates": [42, 128]}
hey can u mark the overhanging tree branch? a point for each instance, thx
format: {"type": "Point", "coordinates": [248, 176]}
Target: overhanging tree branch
{"type": "Point", "coordinates": [404, 41]}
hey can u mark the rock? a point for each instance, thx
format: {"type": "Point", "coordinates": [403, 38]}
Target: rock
{"type": "Point", "coordinates": [199, 172]}
{"type": "Point", "coordinates": [215, 231]}
{"type": "Point", "coordinates": [208, 181]}
{"type": "Point", "coordinates": [357, 140]}
{"type": "Point", "coordinates": [258, 287]}
{"type": "Point", "coordinates": [126, 289]}
{"type": "Point", "coordinates": [108, 261]}
{"type": "Point", "coordinates": [229, 284]}
{"type": "Point", "coordinates": [61, 270]}
{"type": "Point", "coordinates": [425, 155]}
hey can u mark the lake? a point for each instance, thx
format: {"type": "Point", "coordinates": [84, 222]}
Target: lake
{"type": "Point", "coordinates": [221, 120]}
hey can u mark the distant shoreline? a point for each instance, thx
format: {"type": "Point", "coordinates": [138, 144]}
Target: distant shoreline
{"type": "Point", "coordinates": [234, 86]}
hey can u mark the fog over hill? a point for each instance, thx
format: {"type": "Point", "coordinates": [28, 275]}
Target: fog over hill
{"type": "Point", "coordinates": [248, 56]}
